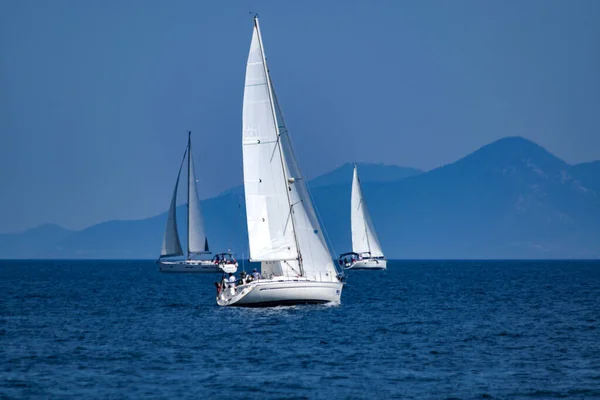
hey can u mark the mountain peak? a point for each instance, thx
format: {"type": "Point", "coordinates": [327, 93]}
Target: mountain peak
{"type": "Point", "coordinates": [514, 144]}
{"type": "Point", "coordinates": [514, 152]}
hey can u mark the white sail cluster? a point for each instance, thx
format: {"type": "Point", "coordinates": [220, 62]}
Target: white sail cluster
{"type": "Point", "coordinates": [197, 241]}
{"type": "Point", "coordinates": [284, 232]}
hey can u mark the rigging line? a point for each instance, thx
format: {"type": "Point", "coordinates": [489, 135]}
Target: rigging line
{"type": "Point", "coordinates": [291, 267]}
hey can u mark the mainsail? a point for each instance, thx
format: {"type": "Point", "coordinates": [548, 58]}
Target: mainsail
{"type": "Point", "coordinates": [364, 238]}
{"type": "Point", "coordinates": [197, 241]}
{"type": "Point", "coordinates": [270, 231]}
{"type": "Point", "coordinates": [171, 245]}
{"type": "Point", "coordinates": [283, 229]}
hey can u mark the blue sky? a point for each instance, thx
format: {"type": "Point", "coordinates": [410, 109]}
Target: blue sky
{"type": "Point", "coordinates": [96, 96]}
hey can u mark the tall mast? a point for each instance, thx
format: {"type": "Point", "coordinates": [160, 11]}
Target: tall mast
{"type": "Point", "coordinates": [281, 156]}
{"type": "Point", "coordinates": [188, 191]}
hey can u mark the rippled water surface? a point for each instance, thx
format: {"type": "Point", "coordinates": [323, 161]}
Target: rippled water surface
{"type": "Point", "coordinates": [459, 329]}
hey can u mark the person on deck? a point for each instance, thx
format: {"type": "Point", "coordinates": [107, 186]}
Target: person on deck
{"type": "Point", "coordinates": [232, 280]}
{"type": "Point", "coordinates": [224, 283]}
{"type": "Point", "coordinates": [256, 275]}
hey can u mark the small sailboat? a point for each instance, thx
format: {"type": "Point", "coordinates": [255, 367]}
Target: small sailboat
{"type": "Point", "coordinates": [197, 242]}
{"type": "Point", "coordinates": [366, 249]}
{"type": "Point", "coordinates": [283, 231]}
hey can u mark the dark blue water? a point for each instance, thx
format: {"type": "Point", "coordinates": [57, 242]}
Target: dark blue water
{"type": "Point", "coordinates": [89, 329]}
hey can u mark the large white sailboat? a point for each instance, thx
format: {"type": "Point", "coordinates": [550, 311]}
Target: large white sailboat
{"type": "Point", "coordinates": [283, 230]}
{"type": "Point", "coordinates": [366, 249]}
{"type": "Point", "coordinates": [197, 242]}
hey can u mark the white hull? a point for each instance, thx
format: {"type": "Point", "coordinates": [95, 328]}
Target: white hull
{"type": "Point", "coordinates": [191, 266]}
{"type": "Point", "coordinates": [281, 291]}
{"type": "Point", "coordinates": [369, 263]}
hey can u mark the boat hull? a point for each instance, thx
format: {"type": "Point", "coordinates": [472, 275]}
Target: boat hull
{"type": "Point", "coordinates": [369, 263]}
{"type": "Point", "coordinates": [277, 292]}
{"type": "Point", "coordinates": [191, 266]}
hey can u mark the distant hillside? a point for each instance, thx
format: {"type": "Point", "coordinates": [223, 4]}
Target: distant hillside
{"type": "Point", "coordinates": [369, 173]}
{"type": "Point", "coordinates": [27, 244]}
{"type": "Point", "coordinates": [509, 199]}
{"type": "Point", "coordinates": [589, 173]}
{"type": "Point", "coordinates": [223, 216]}
{"type": "Point", "coordinates": [342, 175]}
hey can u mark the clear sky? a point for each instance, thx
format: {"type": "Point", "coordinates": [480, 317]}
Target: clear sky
{"type": "Point", "coordinates": [96, 96]}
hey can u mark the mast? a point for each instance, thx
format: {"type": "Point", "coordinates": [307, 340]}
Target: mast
{"type": "Point", "coordinates": [288, 180]}
{"type": "Point", "coordinates": [189, 146]}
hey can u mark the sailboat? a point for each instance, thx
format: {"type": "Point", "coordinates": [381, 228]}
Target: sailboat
{"type": "Point", "coordinates": [366, 249]}
{"type": "Point", "coordinates": [284, 233]}
{"type": "Point", "coordinates": [197, 242]}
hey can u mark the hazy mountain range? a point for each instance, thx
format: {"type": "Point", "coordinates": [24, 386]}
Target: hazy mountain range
{"type": "Point", "coordinates": [509, 199]}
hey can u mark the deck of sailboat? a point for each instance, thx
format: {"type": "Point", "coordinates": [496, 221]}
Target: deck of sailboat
{"type": "Point", "coordinates": [187, 262]}
{"type": "Point", "coordinates": [189, 266]}
{"type": "Point", "coordinates": [279, 291]}
{"type": "Point", "coordinates": [368, 264]}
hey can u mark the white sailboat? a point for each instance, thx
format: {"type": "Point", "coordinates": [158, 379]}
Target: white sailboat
{"type": "Point", "coordinates": [366, 249]}
{"type": "Point", "coordinates": [283, 230]}
{"type": "Point", "coordinates": [197, 243]}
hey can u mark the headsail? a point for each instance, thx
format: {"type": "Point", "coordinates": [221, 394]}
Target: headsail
{"type": "Point", "coordinates": [317, 260]}
{"type": "Point", "coordinates": [197, 241]}
{"type": "Point", "coordinates": [171, 245]}
{"type": "Point", "coordinates": [268, 211]}
{"type": "Point", "coordinates": [364, 238]}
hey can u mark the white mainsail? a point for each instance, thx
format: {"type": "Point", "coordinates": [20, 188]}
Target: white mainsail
{"type": "Point", "coordinates": [283, 229]}
{"type": "Point", "coordinates": [171, 245]}
{"type": "Point", "coordinates": [197, 241]}
{"type": "Point", "coordinates": [364, 238]}
{"type": "Point", "coordinates": [270, 231]}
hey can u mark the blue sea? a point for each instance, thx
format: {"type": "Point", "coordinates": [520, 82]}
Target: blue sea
{"type": "Point", "coordinates": [421, 330]}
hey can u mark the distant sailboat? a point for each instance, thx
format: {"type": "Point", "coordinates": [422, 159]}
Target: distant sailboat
{"type": "Point", "coordinates": [197, 243]}
{"type": "Point", "coordinates": [366, 249]}
{"type": "Point", "coordinates": [283, 231]}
